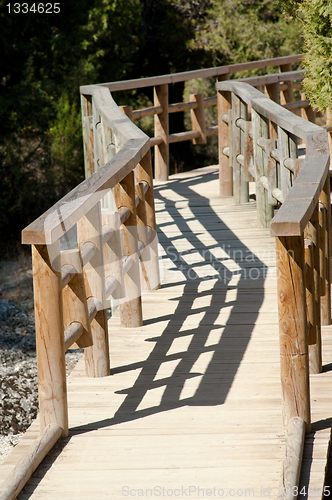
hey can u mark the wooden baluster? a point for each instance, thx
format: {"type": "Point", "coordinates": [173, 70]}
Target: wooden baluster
{"type": "Point", "coordinates": [97, 361]}
{"type": "Point", "coordinates": [161, 129]}
{"type": "Point", "coordinates": [273, 93]}
{"type": "Point", "coordinates": [225, 167]}
{"type": "Point", "coordinates": [294, 362]}
{"type": "Point", "coordinates": [143, 172]}
{"type": "Point", "coordinates": [244, 185]}
{"type": "Point", "coordinates": [128, 111]}
{"type": "Point", "coordinates": [287, 146]}
{"type": "Point", "coordinates": [131, 306]}
{"type": "Point", "coordinates": [75, 307]}
{"type": "Point", "coordinates": [315, 345]}
{"type": "Point", "coordinates": [325, 236]}
{"type": "Point", "coordinates": [236, 146]}
{"type": "Point", "coordinates": [112, 252]}
{"type": "Point", "coordinates": [264, 209]}
{"type": "Point", "coordinates": [287, 95]}
{"type": "Point", "coordinates": [307, 113]}
{"type": "Point", "coordinates": [52, 387]}
{"type": "Point", "coordinates": [310, 293]}
{"type": "Point", "coordinates": [198, 118]}
{"type": "Point", "coordinates": [87, 122]}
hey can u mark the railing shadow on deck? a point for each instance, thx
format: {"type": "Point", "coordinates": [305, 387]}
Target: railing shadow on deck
{"type": "Point", "coordinates": [218, 377]}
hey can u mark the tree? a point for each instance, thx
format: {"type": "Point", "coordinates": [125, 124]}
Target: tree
{"type": "Point", "coordinates": [316, 19]}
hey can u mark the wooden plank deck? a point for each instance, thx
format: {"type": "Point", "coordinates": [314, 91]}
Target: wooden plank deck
{"type": "Point", "coordinates": [192, 408]}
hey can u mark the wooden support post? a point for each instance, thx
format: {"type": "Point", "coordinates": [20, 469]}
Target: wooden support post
{"type": "Point", "coordinates": [310, 291]}
{"type": "Point", "coordinates": [87, 123]}
{"type": "Point", "coordinates": [325, 237]}
{"type": "Point", "coordinates": [307, 113]}
{"type": "Point", "coordinates": [97, 361]}
{"type": "Point", "coordinates": [287, 146]}
{"type": "Point", "coordinates": [236, 148]}
{"type": "Point", "coordinates": [131, 306]}
{"type": "Point", "coordinates": [161, 129]}
{"type": "Point", "coordinates": [273, 93]}
{"type": "Point", "coordinates": [52, 387]}
{"type": "Point", "coordinates": [264, 209]}
{"type": "Point", "coordinates": [287, 95]}
{"type": "Point", "coordinates": [128, 111]}
{"type": "Point", "coordinates": [75, 306]}
{"type": "Point", "coordinates": [112, 252]}
{"type": "Point", "coordinates": [143, 172]}
{"type": "Point", "coordinates": [198, 118]}
{"type": "Point", "coordinates": [225, 167]}
{"type": "Point", "coordinates": [244, 184]}
{"type": "Point", "coordinates": [294, 363]}
{"type": "Point", "coordinates": [314, 341]}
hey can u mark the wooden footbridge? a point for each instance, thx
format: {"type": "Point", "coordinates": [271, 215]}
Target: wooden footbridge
{"type": "Point", "coordinates": [213, 376]}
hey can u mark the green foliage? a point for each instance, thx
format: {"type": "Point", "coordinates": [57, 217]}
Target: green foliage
{"type": "Point", "coordinates": [238, 31]}
{"type": "Point", "coordinates": [316, 18]}
{"type": "Point", "coordinates": [45, 58]}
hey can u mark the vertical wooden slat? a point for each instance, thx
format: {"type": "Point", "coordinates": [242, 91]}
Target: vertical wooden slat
{"type": "Point", "coordinates": [161, 129]}
{"type": "Point", "coordinates": [264, 209]}
{"type": "Point", "coordinates": [244, 185]}
{"type": "Point", "coordinates": [225, 168]}
{"type": "Point", "coordinates": [287, 147]}
{"type": "Point", "coordinates": [307, 113]}
{"type": "Point", "coordinates": [273, 93]}
{"type": "Point", "coordinates": [52, 387]}
{"type": "Point", "coordinates": [87, 123]}
{"type": "Point", "coordinates": [97, 362]}
{"type": "Point", "coordinates": [143, 172]}
{"type": "Point", "coordinates": [287, 95]}
{"type": "Point", "coordinates": [131, 306]}
{"type": "Point", "coordinates": [75, 307]}
{"type": "Point", "coordinates": [112, 253]}
{"type": "Point", "coordinates": [198, 118]}
{"type": "Point", "coordinates": [326, 296]}
{"type": "Point", "coordinates": [310, 291]}
{"type": "Point", "coordinates": [294, 363]}
{"type": "Point", "coordinates": [236, 148]}
{"type": "Point", "coordinates": [315, 344]}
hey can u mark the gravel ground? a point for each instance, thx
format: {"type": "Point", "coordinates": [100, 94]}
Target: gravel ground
{"type": "Point", "coordinates": [18, 364]}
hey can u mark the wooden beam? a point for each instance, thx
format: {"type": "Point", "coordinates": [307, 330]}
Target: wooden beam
{"type": "Point", "coordinates": [161, 129]}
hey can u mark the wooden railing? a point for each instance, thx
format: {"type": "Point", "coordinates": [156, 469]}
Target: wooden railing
{"type": "Point", "coordinates": [293, 198]}
{"type": "Point", "coordinates": [197, 104]}
{"type": "Point", "coordinates": [99, 242]}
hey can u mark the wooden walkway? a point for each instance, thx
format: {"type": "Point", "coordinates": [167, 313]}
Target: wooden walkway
{"type": "Point", "coordinates": [193, 407]}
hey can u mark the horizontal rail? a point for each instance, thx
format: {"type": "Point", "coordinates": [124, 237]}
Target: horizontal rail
{"type": "Point", "coordinates": [189, 75]}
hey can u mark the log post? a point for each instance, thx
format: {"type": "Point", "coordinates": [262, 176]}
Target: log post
{"type": "Point", "coordinates": [143, 172]}
{"type": "Point", "coordinates": [287, 95]}
{"type": "Point", "coordinates": [287, 146]}
{"type": "Point", "coordinates": [264, 209]}
{"type": "Point", "coordinates": [294, 362]}
{"type": "Point", "coordinates": [310, 291]}
{"type": "Point", "coordinates": [314, 340]}
{"type": "Point", "coordinates": [75, 307]}
{"type": "Point", "coordinates": [198, 118]}
{"type": "Point", "coordinates": [325, 236]}
{"type": "Point", "coordinates": [161, 129]}
{"type": "Point", "coordinates": [236, 148]}
{"type": "Point", "coordinates": [131, 305]}
{"type": "Point", "coordinates": [244, 184]}
{"type": "Point", "coordinates": [52, 387]}
{"type": "Point", "coordinates": [87, 123]}
{"type": "Point", "coordinates": [307, 113]}
{"type": "Point", "coordinates": [225, 167]}
{"type": "Point", "coordinates": [89, 229]}
{"type": "Point", "coordinates": [273, 93]}
{"type": "Point", "coordinates": [128, 111]}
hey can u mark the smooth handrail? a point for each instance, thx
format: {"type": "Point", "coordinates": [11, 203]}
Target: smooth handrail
{"type": "Point", "coordinates": [64, 214]}
{"type": "Point", "coordinates": [189, 75]}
